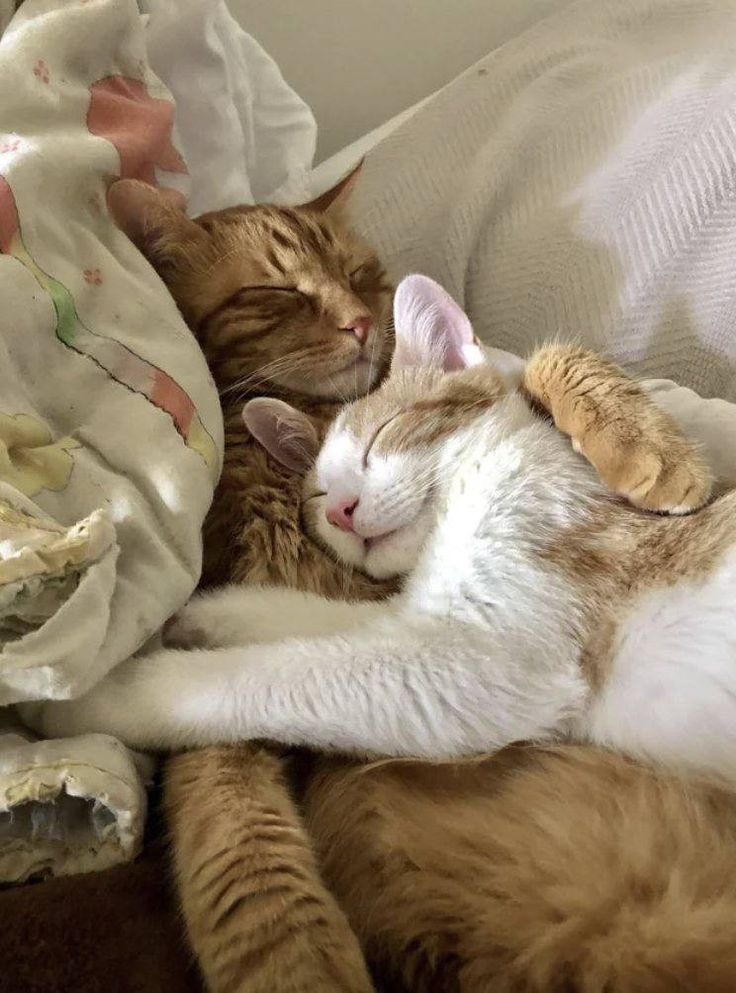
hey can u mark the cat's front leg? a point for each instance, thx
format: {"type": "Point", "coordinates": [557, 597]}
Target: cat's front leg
{"type": "Point", "coordinates": [637, 449]}
{"type": "Point", "coordinates": [242, 615]}
{"type": "Point", "coordinates": [398, 686]}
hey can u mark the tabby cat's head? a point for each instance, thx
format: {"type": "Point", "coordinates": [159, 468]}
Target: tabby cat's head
{"type": "Point", "coordinates": [281, 299]}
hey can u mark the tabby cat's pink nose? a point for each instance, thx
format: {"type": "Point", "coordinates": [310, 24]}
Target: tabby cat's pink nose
{"type": "Point", "coordinates": [360, 326]}
{"type": "Point", "coordinates": [341, 515]}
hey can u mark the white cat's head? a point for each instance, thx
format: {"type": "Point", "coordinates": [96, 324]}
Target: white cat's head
{"type": "Point", "coordinates": [371, 493]}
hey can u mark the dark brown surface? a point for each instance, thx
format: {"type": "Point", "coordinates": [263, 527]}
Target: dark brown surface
{"type": "Point", "coordinates": [106, 932]}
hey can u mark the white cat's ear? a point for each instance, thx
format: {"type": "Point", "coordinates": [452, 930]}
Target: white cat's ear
{"type": "Point", "coordinates": [285, 433]}
{"type": "Point", "coordinates": [431, 329]}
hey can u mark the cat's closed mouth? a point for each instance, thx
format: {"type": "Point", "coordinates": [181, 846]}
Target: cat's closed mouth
{"type": "Point", "coordinates": [370, 543]}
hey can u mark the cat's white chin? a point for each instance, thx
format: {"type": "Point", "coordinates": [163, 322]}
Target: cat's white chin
{"type": "Point", "coordinates": [395, 553]}
{"type": "Point", "coordinates": [383, 557]}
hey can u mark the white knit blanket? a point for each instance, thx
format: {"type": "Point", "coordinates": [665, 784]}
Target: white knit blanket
{"type": "Point", "coordinates": [580, 181]}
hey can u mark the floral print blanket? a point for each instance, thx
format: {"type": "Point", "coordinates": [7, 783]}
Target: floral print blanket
{"type": "Point", "coordinates": [110, 426]}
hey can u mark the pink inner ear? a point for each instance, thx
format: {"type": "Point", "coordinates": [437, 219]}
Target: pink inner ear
{"type": "Point", "coordinates": [431, 329]}
{"type": "Point", "coordinates": [284, 432]}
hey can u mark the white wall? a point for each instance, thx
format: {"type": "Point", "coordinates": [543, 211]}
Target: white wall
{"type": "Point", "coordinates": [359, 62]}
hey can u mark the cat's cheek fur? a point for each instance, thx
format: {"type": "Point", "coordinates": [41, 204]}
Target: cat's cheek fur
{"type": "Point", "coordinates": [394, 490]}
{"type": "Point", "coordinates": [339, 466]}
{"type": "Point", "coordinates": [355, 380]}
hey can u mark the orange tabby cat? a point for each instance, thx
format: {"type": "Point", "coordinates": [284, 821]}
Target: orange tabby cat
{"type": "Point", "coordinates": [288, 302]}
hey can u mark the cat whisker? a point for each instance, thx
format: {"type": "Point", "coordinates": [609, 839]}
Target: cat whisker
{"type": "Point", "coordinates": [243, 384]}
{"type": "Point", "coordinates": [336, 389]}
{"type": "Point", "coordinates": [371, 361]}
{"type": "Point", "coordinates": [347, 575]}
{"type": "Point", "coordinates": [285, 365]}
{"type": "Point", "coordinates": [268, 369]}
{"type": "Point", "coordinates": [422, 484]}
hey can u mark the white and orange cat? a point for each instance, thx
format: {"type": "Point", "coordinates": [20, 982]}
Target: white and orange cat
{"type": "Point", "coordinates": [537, 605]}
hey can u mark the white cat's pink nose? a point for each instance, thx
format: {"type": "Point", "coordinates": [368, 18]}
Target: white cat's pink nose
{"type": "Point", "coordinates": [360, 327]}
{"type": "Point", "coordinates": [341, 514]}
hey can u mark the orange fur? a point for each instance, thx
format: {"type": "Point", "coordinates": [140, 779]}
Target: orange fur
{"type": "Point", "coordinates": [634, 446]}
{"type": "Point", "coordinates": [253, 901]}
{"type": "Point", "coordinates": [537, 871]}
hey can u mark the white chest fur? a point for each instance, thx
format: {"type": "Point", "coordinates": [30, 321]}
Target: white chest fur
{"type": "Point", "coordinates": [514, 485]}
{"type": "Point", "coordinates": [671, 692]}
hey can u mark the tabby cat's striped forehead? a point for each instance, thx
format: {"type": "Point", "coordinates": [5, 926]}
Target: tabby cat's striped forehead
{"type": "Point", "coordinates": [286, 238]}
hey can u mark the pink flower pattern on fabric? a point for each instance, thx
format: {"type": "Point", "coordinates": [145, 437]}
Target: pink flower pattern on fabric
{"type": "Point", "coordinates": [41, 71]}
{"type": "Point", "coordinates": [138, 125]}
{"type": "Point", "coordinates": [9, 224]}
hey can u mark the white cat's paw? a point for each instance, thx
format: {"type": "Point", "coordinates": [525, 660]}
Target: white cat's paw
{"type": "Point", "coordinates": [95, 712]}
{"type": "Point", "coordinates": [219, 619]}
{"type": "Point", "coordinates": [187, 629]}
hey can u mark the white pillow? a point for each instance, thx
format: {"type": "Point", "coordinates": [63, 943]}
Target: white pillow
{"type": "Point", "coordinates": [579, 183]}
{"type": "Point", "coordinates": [711, 424]}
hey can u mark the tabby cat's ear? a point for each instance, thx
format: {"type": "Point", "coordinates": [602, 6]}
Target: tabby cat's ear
{"type": "Point", "coordinates": [286, 433]}
{"type": "Point", "coordinates": [431, 329]}
{"type": "Point", "coordinates": [334, 201]}
{"type": "Point", "coordinates": [154, 220]}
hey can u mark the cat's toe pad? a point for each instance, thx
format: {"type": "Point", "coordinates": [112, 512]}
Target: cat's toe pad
{"type": "Point", "coordinates": [673, 489]}
{"type": "Point", "coordinates": [668, 479]}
